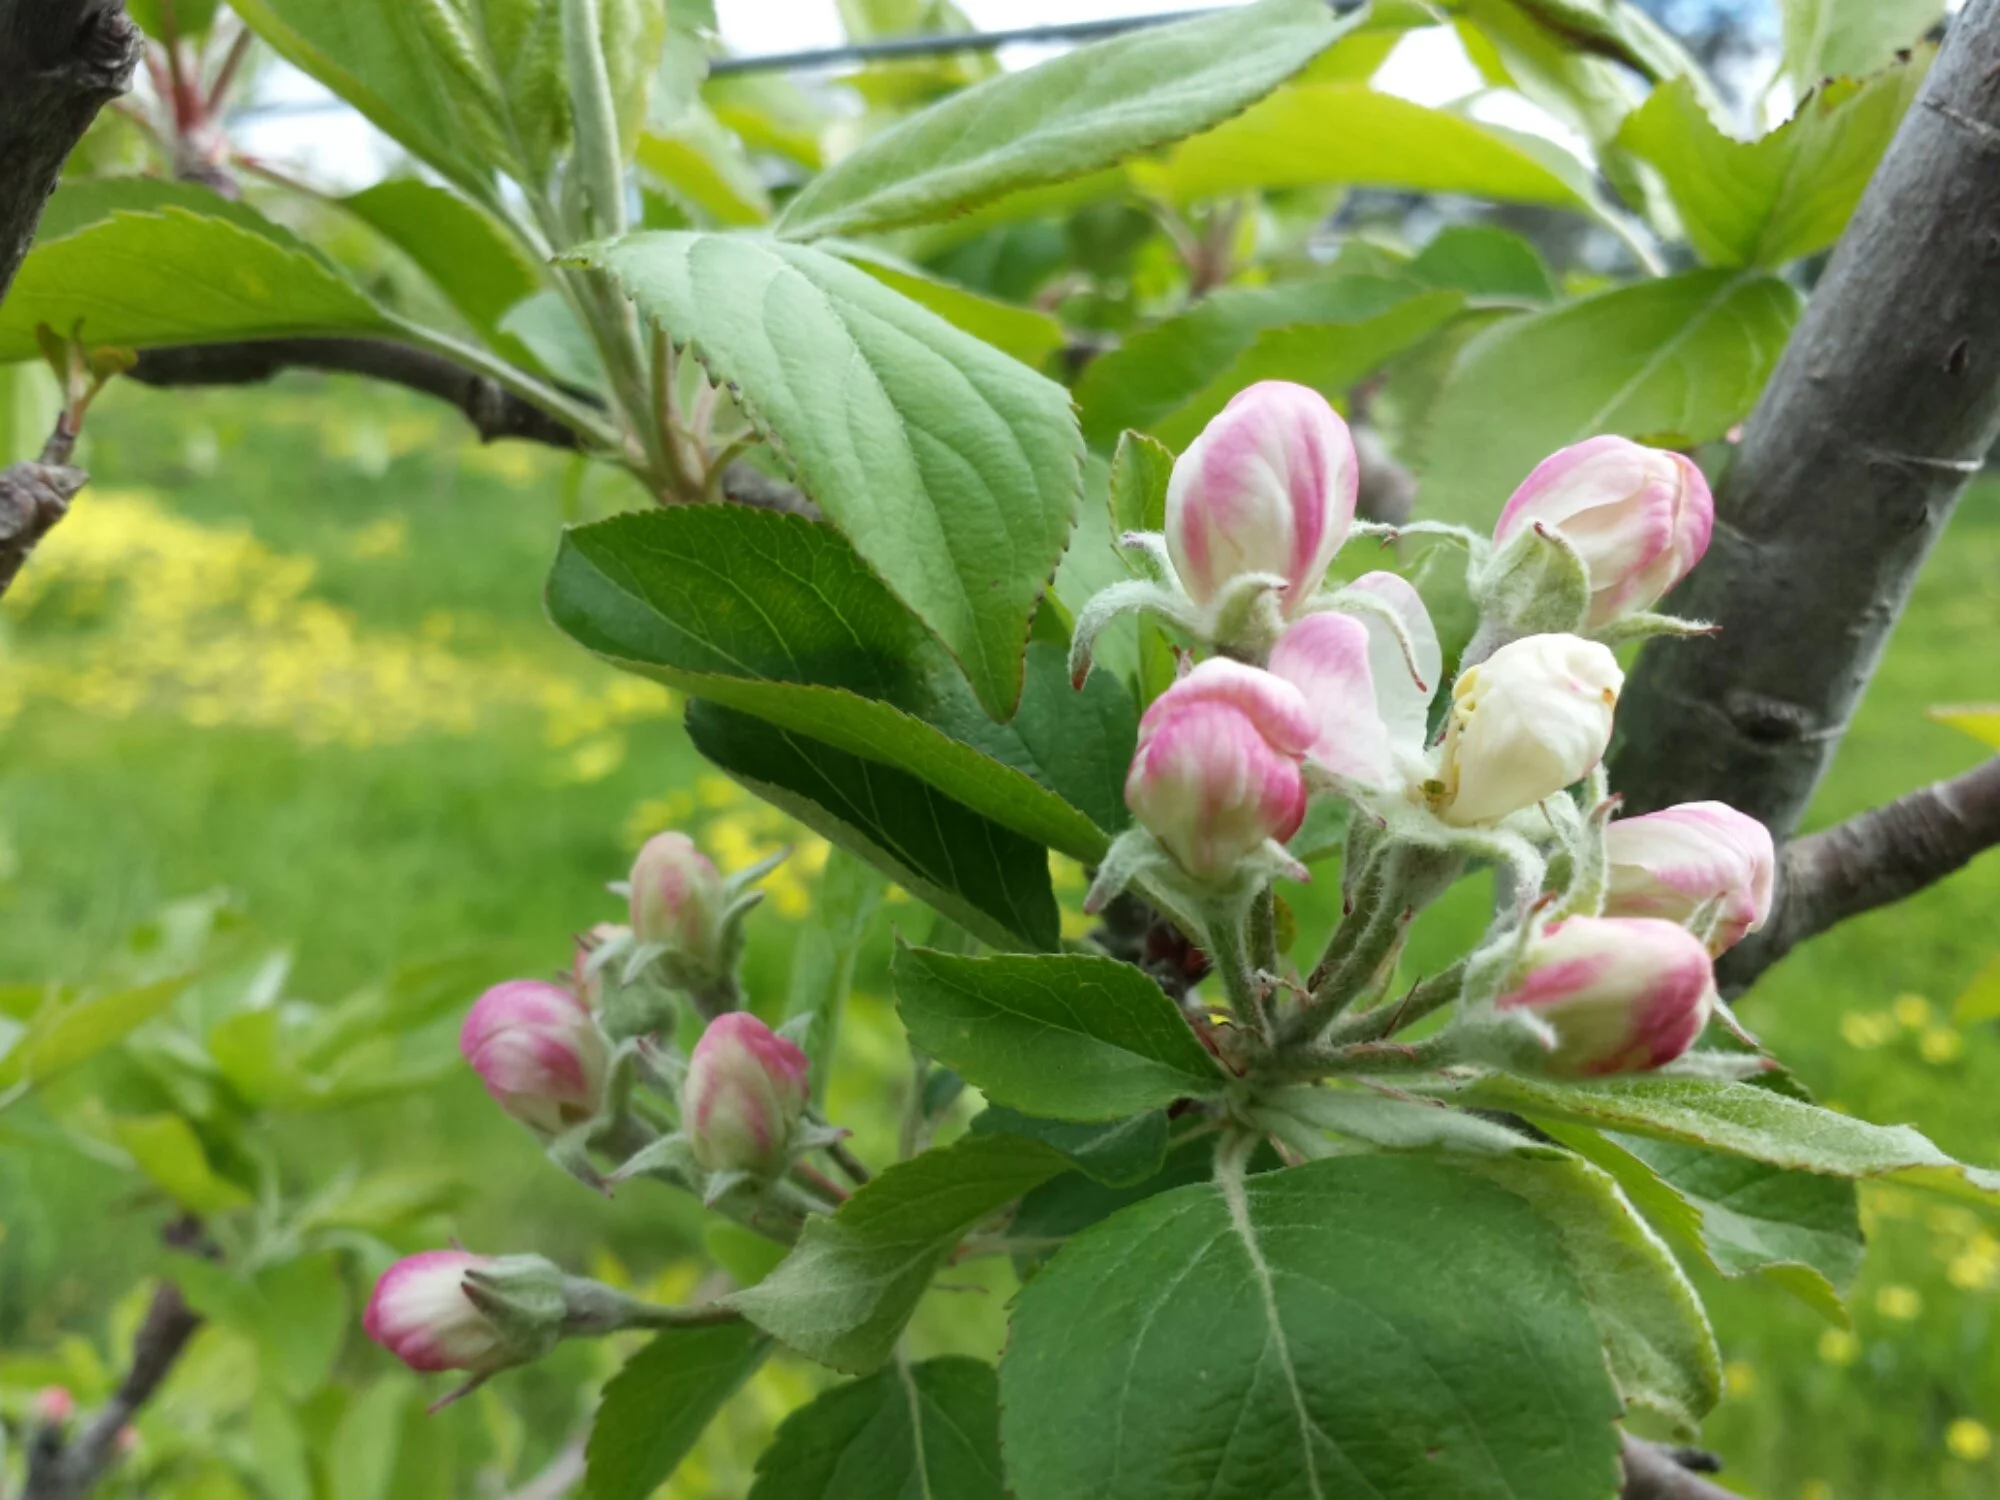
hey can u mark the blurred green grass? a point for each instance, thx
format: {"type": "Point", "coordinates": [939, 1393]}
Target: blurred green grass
{"type": "Point", "coordinates": [361, 850]}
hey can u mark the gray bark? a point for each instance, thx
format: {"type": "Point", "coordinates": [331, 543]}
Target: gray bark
{"type": "Point", "coordinates": [1653, 1472]}
{"type": "Point", "coordinates": [1880, 412]}
{"type": "Point", "coordinates": [60, 62]}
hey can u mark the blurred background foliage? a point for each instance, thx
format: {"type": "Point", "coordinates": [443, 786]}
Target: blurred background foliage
{"type": "Point", "coordinates": [292, 762]}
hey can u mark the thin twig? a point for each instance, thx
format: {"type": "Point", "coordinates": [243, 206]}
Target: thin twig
{"type": "Point", "coordinates": [1653, 1472]}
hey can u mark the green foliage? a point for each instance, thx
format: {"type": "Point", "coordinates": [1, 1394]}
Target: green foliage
{"type": "Point", "coordinates": [1849, 38]}
{"type": "Point", "coordinates": [1363, 1323]}
{"type": "Point", "coordinates": [923, 1429]}
{"type": "Point", "coordinates": [1065, 1038]}
{"type": "Point", "coordinates": [1117, 1154]}
{"type": "Point", "coordinates": [1089, 109]}
{"type": "Point", "coordinates": [459, 246]}
{"type": "Point", "coordinates": [654, 1410]}
{"type": "Point", "coordinates": [951, 469]}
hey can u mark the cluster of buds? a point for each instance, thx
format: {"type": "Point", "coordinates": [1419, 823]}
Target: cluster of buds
{"type": "Point", "coordinates": [1306, 689]}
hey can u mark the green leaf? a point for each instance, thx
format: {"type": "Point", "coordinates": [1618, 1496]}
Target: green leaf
{"type": "Point", "coordinates": [190, 18]}
{"type": "Point", "coordinates": [177, 277]}
{"type": "Point", "coordinates": [1765, 202]}
{"type": "Point", "coordinates": [1086, 109]}
{"type": "Point", "coordinates": [167, 1150]}
{"type": "Point", "coordinates": [455, 243]}
{"type": "Point", "coordinates": [69, 1033]}
{"type": "Point", "coordinates": [1322, 134]}
{"type": "Point", "coordinates": [1656, 1336]}
{"type": "Point", "coordinates": [1798, 1230]}
{"type": "Point", "coordinates": [1384, 1326]}
{"type": "Point", "coordinates": [1679, 360]}
{"type": "Point", "coordinates": [1074, 1201]}
{"type": "Point", "coordinates": [843, 1295]}
{"type": "Point", "coordinates": [655, 1408]}
{"type": "Point", "coordinates": [954, 470]}
{"type": "Point", "coordinates": [1119, 1153]}
{"type": "Point", "coordinates": [1169, 379]}
{"type": "Point", "coordinates": [1070, 1037]}
{"type": "Point", "coordinates": [922, 1430]}
{"type": "Point", "coordinates": [776, 616]}
{"type": "Point", "coordinates": [1487, 262]}
{"type": "Point", "coordinates": [1025, 333]}
{"type": "Point", "coordinates": [704, 167]}
{"type": "Point", "coordinates": [303, 1317]}
{"type": "Point", "coordinates": [1743, 1119]}
{"type": "Point", "coordinates": [361, 1459]}
{"type": "Point", "coordinates": [1141, 469]}
{"type": "Point", "coordinates": [990, 881]}
{"type": "Point", "coordinates": [1850, 38]}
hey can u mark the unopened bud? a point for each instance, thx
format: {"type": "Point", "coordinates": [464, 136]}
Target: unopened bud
{"type": "Point", "coordinates": [1639, 517]}
{"type": "Point", "coordinates": [1268, 487]}
{"type": "Point", "coordinates": [1695, 857]}
{"type": "Point", "coordinates": [1217, 769]}
{"type": "Point", "coordinates": [424, 1312]}
{"type": "Point", "coordinates": [746, 1088]}
{"type": "Point", "coordinates": [1528, 721]}
{"type": "Point", "coordinates": [1622, 994]}
{"type": "Point", "coordinates": [53, 1406]}
{"type": "Point", "coordinates": [586, 979]}
{"type": "Point", "coordinates": [679, 902]}
{"type": "Point", "coordinates": [538, 1051]}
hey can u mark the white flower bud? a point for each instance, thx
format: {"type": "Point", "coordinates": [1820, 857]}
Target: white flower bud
{"type": "Point", "coordinates": [1528, 721]}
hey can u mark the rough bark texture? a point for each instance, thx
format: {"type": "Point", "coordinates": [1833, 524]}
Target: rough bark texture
{"type": "Point", "coordinates": [60, 62]}
{"type": "Point", "coordinates": [1881, 411]}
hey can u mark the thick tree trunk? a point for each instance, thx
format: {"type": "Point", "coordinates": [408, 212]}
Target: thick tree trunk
{"type": "Point", "coordinates": [1881, 411]}
{"type": "Point", "coordinates": [60, 62]}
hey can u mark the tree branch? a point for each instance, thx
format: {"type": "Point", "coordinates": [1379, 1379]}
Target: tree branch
{"type": "Point", "coordinates": [1882, 409]}
{"type": "Point", "coordinates": [33, 497]}
{"type": "Point", "coordinates": [1653, 1472]}
{"type": "Point", "coordinates": [60, 62]}
{"type": "Point", "coordinates": [1874, 859]}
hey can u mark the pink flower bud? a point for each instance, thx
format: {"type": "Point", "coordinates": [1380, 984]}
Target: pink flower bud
{"type": "Point", "coordinates": [1623, 994]}
{"type": "Point", "coordinates": [421, 1314]}
{"type": "Point", "coordinates": [1639, 517]}
{"type": "Point", "coordinates": [1268, 487]}
{"type": "Point", "coordinates": [586, 981]}
{"type": "Point", "coordinates": [1217, 772]}
{"type": "Point", "coordinates": [1528, 721]}
{"type": "Point", "coordinates": [539, 1053]}
{"type": "Point", "coordinates": [678, 899]}
{"type": "Point", "coordinates": [1674, 862]}
{"type": "Point", "coordinates": [53, 1406]}
{"type": "Point", "coordinates": [746, 1088]}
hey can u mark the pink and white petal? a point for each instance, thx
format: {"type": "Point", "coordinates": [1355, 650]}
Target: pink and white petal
{"type": "Point", "coordinates": [1327, 658]}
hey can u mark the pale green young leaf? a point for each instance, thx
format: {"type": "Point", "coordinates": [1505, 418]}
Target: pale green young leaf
{"type": "Point", "coordinates": [986, 878]}
{"type": "Point", "coordinates": [1080, 112]}
{"type": "Point", "coordinates": [704, 168]}
{"type": "Point", "coordinates": [777, 616]}
{"type": "Point", "coordinates": [1485, 262]}
{"type": "Point", "coordinates": [1141, 469]}
{"type": "Point", "coordinates": [844, 1293]}
{"type": "Point", "coordinates": [1765, 202]}
{"type": "Point", "coordinates": [917, 1430]}
{"type": "Point", "coordinates": [1362, 1326]}
{"type": "Point", "coordinates": [175, 277]}
{"type": "Point", "coordinates": [1026, 333]}
{"type": "Point", "coordinates": [179, 18]}
{"type": "Point", "coordinates": [1850, 38]}
{"type": "Point", "coordinates": [1069, 1037]}
{"type": "Point", "coordinates": [1676, 361]}
{"type": "Point", "coordinates": [955, 471]}
{"type": "Point", "coordinates": [68, 1033]}
{"type": "Point", "coordinates": [458, 245]}
{"type": "Point", "coordinates": [167, 1150]}
{"type": "Point", "coordinates": [655, 1408]}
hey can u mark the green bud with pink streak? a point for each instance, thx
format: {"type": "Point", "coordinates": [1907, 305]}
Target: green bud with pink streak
{"type": "Point", "coordinates": [745, 1091]}
{"type": "Point", "coordinates": [1620, 994]}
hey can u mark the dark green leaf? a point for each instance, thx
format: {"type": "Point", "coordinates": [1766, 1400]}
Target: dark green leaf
{"type": "Point", "coordinates": [1067, 1037]}
{"type": "Point", "coordinates": [843, 1295]}
{"type": "Point", "coordinates": [1391, 1327]}
{"type": "Point", "coordinates": [1063, 1205]}
{"type": "Point", "coordinates": [927, 1431]}
{"type": "Point", "coordinates": [1765, 202]}
{"type": "Point", "coordinates": [954, 470]}
{"type": "Point", "coordinates": [776, 616]}
{"type": "Point", "coordinates": [992, 882]}
{"type": "Point", "coordinates": [1485, 261]}
{"type": "Point", "coordinates": [1084, 110]}
{"type": "Point", "coordinates": [654, 1409]}
{"type": "Point", "coordinates": [1679, 360]}
{"type": "Point", "coordinates": [1120, 1153]}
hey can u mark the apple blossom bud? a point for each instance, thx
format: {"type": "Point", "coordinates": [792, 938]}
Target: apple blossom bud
{"type": "Point", "coordinates": [586, 979]}
{"type": "Point", "coordinates": [1216, 772]}
{"type": "Point", "coordinates": [1622, 994]}
{"type": "Point", "coordinates": [1532, 718]}
{"type": "Point", "coordinates": [746, 1088]}
{"type": "Point", "coordinates": [53, 1406]}
{"type": "Point", "coordinates": [420, 1313]}
{"type": "Point", "coordinates": [1639, 517]}
{"type": "Point", "coordinates": [678, 900]}
{"type": "Point", "coordinates": [1675, 862]}
{"type": "Point", "coordinates": [1268, 487]}
{"type": "Point", "coordinates": [538, 1051]}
